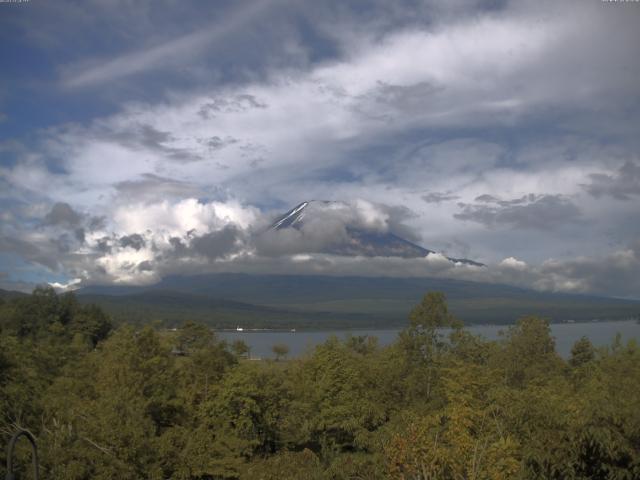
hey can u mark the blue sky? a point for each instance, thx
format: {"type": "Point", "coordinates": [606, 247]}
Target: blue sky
{"type": "Point", "coordinates": [502, 131]}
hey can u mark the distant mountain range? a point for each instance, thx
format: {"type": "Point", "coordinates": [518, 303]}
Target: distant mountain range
{"type": "Point", "coordinates": [279, 301]}
{"type": "Point", "coordinates": [360, 241]}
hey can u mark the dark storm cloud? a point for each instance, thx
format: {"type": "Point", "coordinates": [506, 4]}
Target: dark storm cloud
{"type": "Point", "coordinates": [179, 249]}
{"type": "Point", "coordinates": [62, 214]}
{"type": "Point", "coordinates": [103, 245]}
{"type": "Point", "coordinates": [219, 243]}
{"type": "Point", "coordinates": [528, 212]}
{"type": "Point", "coordinates": [135, 241]}
{"type": "Point", "coordinates": [621, 185]}
{"type": "Point", "coordinates": [213, 245]}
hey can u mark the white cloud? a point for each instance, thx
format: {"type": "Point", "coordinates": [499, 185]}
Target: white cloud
{"type": "Point", "coordinates": [181, 217]}
{"type": "Point", "coordinates": [456, 105]}
{"type": "Point", "coordinates": [70, 285]}
{"type": "Point", "coordinates": [166, 54]}
{"type": "Point", "coordinates": [514, 263]}
{"type": "Point", "coordinates": [470, 71]}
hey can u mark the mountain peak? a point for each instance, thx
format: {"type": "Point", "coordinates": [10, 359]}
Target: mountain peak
{"type": "Point", "coordinates": [361, 240]}
{"type": "Point", "coordinates": [294, 216]}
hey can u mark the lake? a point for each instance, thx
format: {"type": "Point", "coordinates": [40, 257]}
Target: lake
{"type": "Point", "coordinates": [300, 342]}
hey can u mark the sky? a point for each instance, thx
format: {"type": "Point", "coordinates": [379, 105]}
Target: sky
{"type": "Point", "coordinates": [141, 139]}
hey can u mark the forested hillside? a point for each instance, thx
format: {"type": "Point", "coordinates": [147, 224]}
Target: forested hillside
{"type": "Point", "coordinates": [135, 403]}
{"type": "Point", "coordinates": [318, 301]}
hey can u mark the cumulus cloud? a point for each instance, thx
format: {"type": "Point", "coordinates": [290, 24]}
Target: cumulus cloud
{"type": "Point", "coordinates": [513, 263]}
{"type": "Point", "coordinates": [218, 244]}
{"type": "Point", "coordinates": [185, 232]}
{"type": "Point", "coordinates": [142, 242]}
{"type": "Point", "coordinates": [135, 241]}
{"type": "Point", "coordinates": [190, 237]}
{"type": "Point", "coordinates": [430, 112]}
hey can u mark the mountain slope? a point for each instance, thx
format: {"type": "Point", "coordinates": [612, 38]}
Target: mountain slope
{"type": "Point", "coordinates": [172, 308]}
{"type": "Point", "coordinates": [9, 294]}
{"type": "Point", "coordinates": [324, 301]}
{"type": "Point", "coordinates": [359, 240]}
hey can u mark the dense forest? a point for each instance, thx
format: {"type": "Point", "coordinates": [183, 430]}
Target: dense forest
{"type": "Point", "coordinates": [131, 403]}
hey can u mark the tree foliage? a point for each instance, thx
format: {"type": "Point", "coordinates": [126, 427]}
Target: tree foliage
{"type": "Point", "coordinates": [440, 403]}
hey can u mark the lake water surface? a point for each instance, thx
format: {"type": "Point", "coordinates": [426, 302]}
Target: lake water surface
{"type": "Point", "coordinates": [300, 342]}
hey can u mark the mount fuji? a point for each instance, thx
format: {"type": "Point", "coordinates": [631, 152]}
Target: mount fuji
{"type": "Point", "coordinates": [259, 300]}
{"type": "Point", "coordinates": [358, 238]}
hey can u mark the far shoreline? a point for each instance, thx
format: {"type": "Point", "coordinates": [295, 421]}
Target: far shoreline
{"type": "Point", "coordinates": [400, 327]}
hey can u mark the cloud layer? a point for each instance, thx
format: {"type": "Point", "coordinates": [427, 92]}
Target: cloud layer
{"type": "Point", "coordinates": [190, 236]}
{"type": "Point", "coordinates": [485, 130]}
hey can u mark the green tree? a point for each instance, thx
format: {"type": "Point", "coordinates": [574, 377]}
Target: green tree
{"type": "Point", "coordinates": [582, 352]}
{"type": "Point", "coordinates": [241, 349]}
{"type": "Point", "coordinates": [529, 352]}
{"type": "Point", "coordinates": [287, 466]}
{"type": "Point", "coordinates": [241, 421]}
{"type": "Point", "coordinates": [91, 323]}
{"type": "Point", "coordinates": [205, 363]}
{"type": "Point", "coordinates": [108, 415]}
{"type": "Point", "coordinates": [423, 343]}
{"type": "Point", "coordinates": [605, 444]}
{"type": "Point", "coordinates": [192, 336]}
{"type": "Point", "coordinates": [363, 344]}
{"type": "Point", "coordinates": [280, 350]}
{"type": "Point", "coordinates": [336, 401]}
{"type": "Point", "coordinates": [465, 438]}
